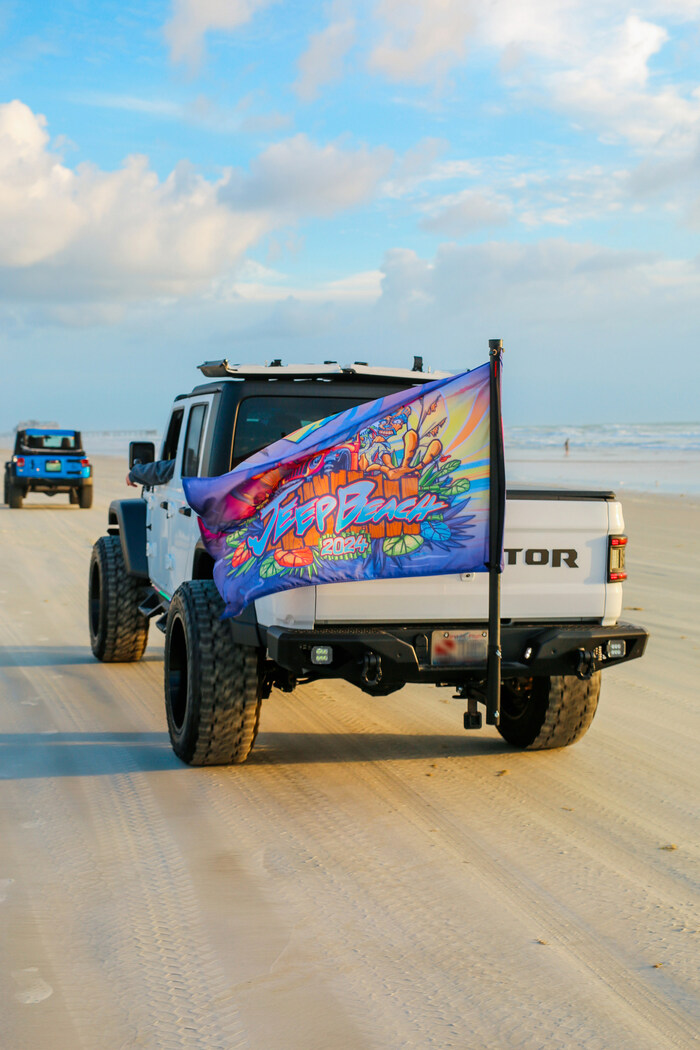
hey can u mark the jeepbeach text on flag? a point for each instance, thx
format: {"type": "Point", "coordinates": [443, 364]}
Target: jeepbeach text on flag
{"type": "Point", "coordinates": [395, 487]}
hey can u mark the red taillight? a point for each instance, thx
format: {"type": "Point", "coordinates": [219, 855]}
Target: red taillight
{"type": "Point", "coordinates": [19, 460]}
{"type": "Point", "coordinates": [84, 462]}
{"type": "Point", "coordinates": [616, 559]}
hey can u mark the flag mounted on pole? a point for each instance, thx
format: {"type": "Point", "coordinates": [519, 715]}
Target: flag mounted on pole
{"type": "Point", "coordinates": [396, 487]}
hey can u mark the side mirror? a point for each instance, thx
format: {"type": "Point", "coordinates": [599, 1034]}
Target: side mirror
{"type": "Point", "coordinates": [141, 452]}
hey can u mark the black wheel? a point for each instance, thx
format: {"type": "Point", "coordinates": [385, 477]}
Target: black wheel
{"type": "Point", "coordinates": [73, 497]}
{"type": "Point", "coordinates": [15, 495]}
{"type": "Point", "coordinates": [85, 497]}
{"type": "Point", "coordinates": [539, 713]}
{"type": "Point", "coordinates": [5, 489]}
{"type": "Point", "coordinates": [118, 631]}
{"type": "Point", "coordinates": [213, 687]}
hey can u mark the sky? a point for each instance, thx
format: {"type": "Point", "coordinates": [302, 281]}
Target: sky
{"type": "Point", "coordinates": [354, 180]}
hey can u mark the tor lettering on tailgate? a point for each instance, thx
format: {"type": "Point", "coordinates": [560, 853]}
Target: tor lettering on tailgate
{"type": "Point", "coordinates": [541, 556]}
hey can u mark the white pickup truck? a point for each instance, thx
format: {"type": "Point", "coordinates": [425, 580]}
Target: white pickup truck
{"type": "Point", "coordinates": [561, 595]}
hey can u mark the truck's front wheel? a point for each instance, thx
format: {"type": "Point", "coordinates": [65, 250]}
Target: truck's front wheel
{"type": "Point", "coordinates": [539, 713]}
{"type": "Point", "coordinates": [213, 687]}
{"type": "Point", "coordinates": [118, 631]}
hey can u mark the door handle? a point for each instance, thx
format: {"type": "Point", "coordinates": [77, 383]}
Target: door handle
{"type": "Point", "coordinates": [187, 511]}
{"type": "Point", "coordinates": [164, 504]}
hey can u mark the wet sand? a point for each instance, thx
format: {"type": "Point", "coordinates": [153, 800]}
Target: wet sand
{"type": "Point", "coordinates": [374, 877]}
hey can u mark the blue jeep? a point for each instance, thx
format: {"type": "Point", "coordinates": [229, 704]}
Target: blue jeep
{"type": "Point", "coordinates": [48, 461]}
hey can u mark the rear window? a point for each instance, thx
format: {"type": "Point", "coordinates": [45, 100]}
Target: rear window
{"type": "Point", "coordinates": [262, 420]}
{"type": "Point", "coordinates": [50, 442]}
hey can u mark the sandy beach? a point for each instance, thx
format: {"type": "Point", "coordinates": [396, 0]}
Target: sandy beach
{"type": "Point", "coordinates": [374, 877]}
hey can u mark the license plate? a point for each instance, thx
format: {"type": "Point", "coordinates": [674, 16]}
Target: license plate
{"type": "Point", "coordinates": [459, 647]}
{"type": "Point", "coordinates": [53, 464]}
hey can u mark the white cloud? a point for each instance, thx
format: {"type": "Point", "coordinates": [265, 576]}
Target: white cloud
{"type": "Point", "coordinates": [297, 176]}
{"type": "Point", "coordinates": [563, 309]}
{"type": "Point", "coordinates": [593, 63]}
{"type": "Point", "coordinates": [423, 39]}
{"type": "Point", "coordinates": [119, 234]}
{"type": "Point", "coordinates": [192, 19]}
{"type": "Point", "coordinates": [611, 92]}
{"type": "Point", "coordinates": [38, 214]}
{"type": "Point", "coordinates": [322, 62]}
{"type": "Point", "coordinates": [522, 290]}
{"type": "Point", "coordinates": [461, 213]}
{"type": "Point", "coordinates": [126, 235]}
{"type": "Point", "coordinates": [590, 61]}
{"type": "Point", "coordinates": [362, 287]}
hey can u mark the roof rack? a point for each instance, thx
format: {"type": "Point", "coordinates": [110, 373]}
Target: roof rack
{"type": "Point", "coordinates": [359, 370]}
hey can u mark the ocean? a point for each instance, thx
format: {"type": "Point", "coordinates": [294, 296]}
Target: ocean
{"type": "Point", "coordinates": [623, 457]}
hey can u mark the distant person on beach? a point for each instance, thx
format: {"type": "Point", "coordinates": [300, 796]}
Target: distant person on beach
{"type": "Point", "coordinates": [566, 447]}
{"type": "Point", "coordinates": [150, 474]}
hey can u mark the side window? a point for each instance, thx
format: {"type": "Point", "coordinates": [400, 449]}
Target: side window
{"type": "Point", "coordinates": [173, 435]}
{"type": "Point", "coordinates": [193, 441]}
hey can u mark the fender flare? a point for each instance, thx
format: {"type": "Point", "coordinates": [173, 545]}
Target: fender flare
{"type": "Point", "coordinates": [127, 519]}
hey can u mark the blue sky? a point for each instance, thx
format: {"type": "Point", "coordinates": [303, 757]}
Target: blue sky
{"type": "Point", "coordinates": [360, 179]}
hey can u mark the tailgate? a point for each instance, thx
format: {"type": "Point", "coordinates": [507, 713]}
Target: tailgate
{"type": "Point", "coordinates": [555, 568]}
{"type": "Point", "coordinates": [57, 466]}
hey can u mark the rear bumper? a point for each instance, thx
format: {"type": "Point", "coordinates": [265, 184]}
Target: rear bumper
{"type": "Point", "coordinates": [50, 484]}
{"type": "Point", "coordinates": [404, 652]}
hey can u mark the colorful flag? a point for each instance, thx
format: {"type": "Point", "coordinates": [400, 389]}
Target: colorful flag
{"type": "Point", "coordinates": [394, 487]}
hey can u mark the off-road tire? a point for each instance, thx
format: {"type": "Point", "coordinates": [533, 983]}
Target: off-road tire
{"type": "Point", "coordinates": [213, 687]}
{"type": "Point", "coordinates": [85, 497]}
{"type": "Point", "coordinates": [15, 495]}
{"type": "Point", "coordinates": [118, 631]}
{"type": "Point", "coordinates": [548, 712]}
{"type": "Point", "coordinates": [73, 497]}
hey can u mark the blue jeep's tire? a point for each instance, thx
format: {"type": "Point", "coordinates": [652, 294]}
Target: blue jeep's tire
{"type": "Point", "coordinates": [118, 631]}
{"type": "Point", "coordinates": [14, 496]}
{"type": "Point", "coordinates": [213, 686]}
{"type": "Point", "coordinates": [85, 497]}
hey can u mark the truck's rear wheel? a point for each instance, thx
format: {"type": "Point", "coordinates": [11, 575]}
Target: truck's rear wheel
{"type": "Point", "coordinates": [118, 631]}
{"type": "Point", "coordinates": [556, 711]}
{"type": "Point", "coordinates": [73, 497]}
{"type": "Point", "coordinates": [213, 687]}
{"type": "Point", "coordinates": [85, 497]}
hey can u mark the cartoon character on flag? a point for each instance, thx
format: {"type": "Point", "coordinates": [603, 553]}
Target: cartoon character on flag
{"type": "Point", "coordinates": [392, 488]}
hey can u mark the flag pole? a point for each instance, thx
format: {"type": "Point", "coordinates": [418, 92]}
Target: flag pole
{"type": "Point", "coordinates": [497, 494]}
